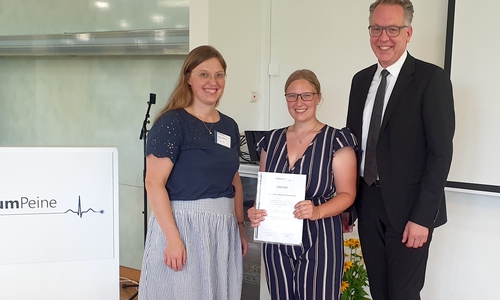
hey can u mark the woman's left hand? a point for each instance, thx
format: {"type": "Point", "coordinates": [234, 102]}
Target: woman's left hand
{"type": "Point", "coordinates": [306, 210]}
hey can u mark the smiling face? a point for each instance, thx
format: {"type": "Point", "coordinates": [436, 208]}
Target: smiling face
{"type": "Point", "coordinates": [207, 90]}
{"type": "Point", "coordinates": [389, 49]}
{"type": "Point", "coordinates": [300, 110]}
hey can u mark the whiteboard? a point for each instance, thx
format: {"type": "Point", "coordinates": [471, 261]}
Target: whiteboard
{"type": "Point", "coordinates": [475, 64]}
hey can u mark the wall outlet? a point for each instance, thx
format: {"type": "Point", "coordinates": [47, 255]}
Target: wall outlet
{"type": "Point", "coordinates": [254, 97]}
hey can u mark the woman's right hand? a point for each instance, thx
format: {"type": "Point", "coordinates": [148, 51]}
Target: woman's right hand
{"type": "Point", "coordinates": [174, 255]}
{"type": "Point", "coordinates": [256, 216]}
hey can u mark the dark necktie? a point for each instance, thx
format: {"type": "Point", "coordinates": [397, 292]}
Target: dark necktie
{"type": "Point", "coordinates": [370, 172]}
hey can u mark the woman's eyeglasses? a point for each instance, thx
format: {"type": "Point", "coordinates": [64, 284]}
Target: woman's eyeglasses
{"type": "Point", "coordinates": [292, 97]}
{"type": "Point", "coordinates": [206, 76]}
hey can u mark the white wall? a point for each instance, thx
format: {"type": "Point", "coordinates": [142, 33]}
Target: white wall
{"type": "Point", "coordinates": [237, 30]}
{"type": "Point", "coordinates": [463, 261]}
{"type": "Point", "coordinates": [331, 38]}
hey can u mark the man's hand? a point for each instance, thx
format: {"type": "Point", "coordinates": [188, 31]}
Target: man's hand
{"type": "Point", "coordinates": [415, 236]}
{"type": "Point", "coordinates": [346, 228]}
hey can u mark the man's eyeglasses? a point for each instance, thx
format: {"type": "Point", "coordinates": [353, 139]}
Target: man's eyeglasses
{"type": "Point", "coordinates": [392, 31]}
{"type": "Point", "coordinates": [205, 76]}
{"type": "Point", "coordinates": [292, 97]}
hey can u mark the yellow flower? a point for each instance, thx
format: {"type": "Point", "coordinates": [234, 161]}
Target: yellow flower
{"type": "Point", "coordinates": [352, 243]}
{"type": "Point", "coordinates": [347, 265]}
{"type": "Point", "coordinates": [355, 277]}
{"type": "Point", "coordinates": [344, 286]}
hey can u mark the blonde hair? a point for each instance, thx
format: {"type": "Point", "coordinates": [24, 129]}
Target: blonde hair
{"type": "Point", "coordinates": [307, 75]}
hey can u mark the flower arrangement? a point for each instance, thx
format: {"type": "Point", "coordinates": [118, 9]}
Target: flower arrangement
{"type": "Point", "coordinates": [355, 277]}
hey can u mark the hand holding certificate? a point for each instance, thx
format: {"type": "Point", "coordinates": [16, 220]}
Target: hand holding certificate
{"type": "Point", "coordinates": [278, 193]}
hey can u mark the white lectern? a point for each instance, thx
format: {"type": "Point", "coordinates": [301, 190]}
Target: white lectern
{"type": "Point", "coordinates": [59, 223]}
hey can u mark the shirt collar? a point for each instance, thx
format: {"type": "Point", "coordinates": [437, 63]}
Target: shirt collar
{"type": "Point", "coordinates": [395, 68]}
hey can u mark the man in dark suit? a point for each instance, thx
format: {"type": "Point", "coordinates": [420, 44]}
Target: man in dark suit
{"type": "Point", "coordinates": [404, 166]}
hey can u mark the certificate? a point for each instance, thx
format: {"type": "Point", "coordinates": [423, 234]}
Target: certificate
{"type": "Point", "coordinates": [278, 193]}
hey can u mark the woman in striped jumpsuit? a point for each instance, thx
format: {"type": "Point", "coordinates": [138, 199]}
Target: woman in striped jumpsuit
{"type": "Point", "coordinates": [327, 156]}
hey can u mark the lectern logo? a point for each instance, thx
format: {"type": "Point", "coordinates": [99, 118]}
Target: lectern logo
{"type": "Point", "coordinates": [79, 211]}
{"type": "Point", "coordinates": [26, 203]}
{"type": "Point", "coordinates": [40, 207]}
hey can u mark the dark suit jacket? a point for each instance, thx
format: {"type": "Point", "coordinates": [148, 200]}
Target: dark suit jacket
{"type": "Point", "coordinates": [414, 148]}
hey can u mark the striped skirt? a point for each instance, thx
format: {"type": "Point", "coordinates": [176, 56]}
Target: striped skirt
{"type": "Point", "coordinates": [213, 269]}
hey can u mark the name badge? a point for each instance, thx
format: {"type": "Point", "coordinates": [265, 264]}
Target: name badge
{"type": "Point", "coordinates": [222, 139]}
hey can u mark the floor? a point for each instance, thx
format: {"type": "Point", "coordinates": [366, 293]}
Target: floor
{"type": "Point", "coordinates": [127, 293]}
{"type": "Point", "coordinates": [251, 268]}
{"type": "Point", "coordinates": [128, 283]}
{"type": "Point", "coordinates": [251, 273]}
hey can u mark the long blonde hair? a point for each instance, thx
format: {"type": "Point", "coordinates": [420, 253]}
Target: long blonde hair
{"type": "Point", "coordinates": [182, 96]}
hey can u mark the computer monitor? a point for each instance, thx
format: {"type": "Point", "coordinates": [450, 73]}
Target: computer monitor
{"type": "Point", "coordinates": [253, 137]}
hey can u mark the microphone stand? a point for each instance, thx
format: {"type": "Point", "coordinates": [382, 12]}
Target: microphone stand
{"type": "Point", "coordinates": [143, 136]}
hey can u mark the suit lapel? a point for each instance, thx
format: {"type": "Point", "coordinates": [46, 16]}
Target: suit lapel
{"type": "Point", "coordinates": [404, 79]}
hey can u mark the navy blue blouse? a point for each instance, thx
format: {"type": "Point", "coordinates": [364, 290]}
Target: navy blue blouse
{"type": "Point", "coordinates": [202, 168]}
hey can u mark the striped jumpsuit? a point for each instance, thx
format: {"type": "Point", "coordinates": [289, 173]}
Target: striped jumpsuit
{"type": "Point", "coordinates": [314, 269]}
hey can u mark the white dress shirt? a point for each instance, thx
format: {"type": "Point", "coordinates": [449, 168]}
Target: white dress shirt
{"type": "Point", "coordinates": [394, 70]}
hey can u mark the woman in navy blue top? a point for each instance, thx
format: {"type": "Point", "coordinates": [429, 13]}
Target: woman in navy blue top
{"type": "Point", "coordinates": [327, 156]}
{"type": "Point", "coordinates": [195, 240]}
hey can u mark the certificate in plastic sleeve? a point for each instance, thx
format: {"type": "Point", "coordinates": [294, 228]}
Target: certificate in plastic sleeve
{"type": "Point", "coordinates": [278, 193]}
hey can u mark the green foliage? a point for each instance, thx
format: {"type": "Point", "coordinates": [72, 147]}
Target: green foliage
{"type": "Point", "coordinates": [355, 277]}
